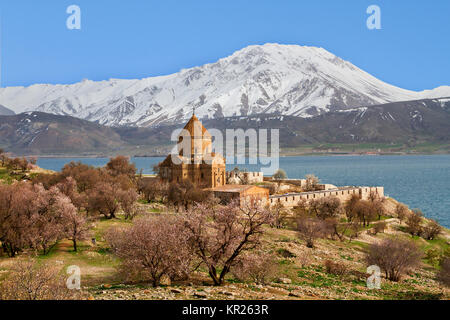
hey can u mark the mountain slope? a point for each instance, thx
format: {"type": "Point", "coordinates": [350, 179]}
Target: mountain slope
{"type": "Point", "coordinates": [274, 79]}
{"type": "Point", "coordinates": [41, 133]}
{"type": "Point", "coordinates": [406, 124]}
{"type": "Point", "coordinates": [5, 111]}
{"type": "Point", "coordinates": [410, 123]}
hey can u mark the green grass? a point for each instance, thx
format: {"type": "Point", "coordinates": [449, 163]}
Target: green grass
{"type": "Point", "coordinates": [6, 176]}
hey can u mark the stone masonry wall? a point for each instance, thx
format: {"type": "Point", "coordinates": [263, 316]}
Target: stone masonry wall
{"type": "Point", "coordinates": [344, 194]}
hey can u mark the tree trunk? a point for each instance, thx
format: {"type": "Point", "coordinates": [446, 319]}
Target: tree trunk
{"type": "Point", "coordinates": [224, 272]}
{"type": "Point", "coordinates": [213, 274]}
{"type": "Point", "coordinates": [74, 245]}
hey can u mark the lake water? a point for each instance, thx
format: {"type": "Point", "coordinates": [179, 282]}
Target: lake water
{"type": "Point", "coordinates": [419, 181]}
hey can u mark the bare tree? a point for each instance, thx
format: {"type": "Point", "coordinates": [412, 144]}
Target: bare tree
{"type": "Point", "coordinates": [351, 206]}
{"type": "Point", "coordinates": [394, 257]}
{"type": "Point", "coordinates": [152, 248]}
{"type": "Point", "coordinates": [184, 195]}
{"type": "Point", "coordinates": [23, 164]}
{"type": "Point", "coordinates": [333, 228]}
{"type": "Point", "coordinates": [279, 213]}
{"type": "Point", "coordinates": [76, 226]}
{"type": "Point", "coordinates": [16, 211]}
{"type": "Point", "coordinates": [414, 222]}
{"type": "Point", "coordinates": [401, 211]}
{"type": "Point", "coordinates": [121, 165]}
{"type": "Point", "coordinates": [328, 207]}
{"type": "Point", "coordinates": [311, 182]}
{"type": "Point", "coordinates": [47, 226]}
{"type": "Point", "coordinates": [365, 212]}
{"type": "Point", "coordinates": [310, 229]}
{"type": "Point", "coordinates": [127, 200]}
{"type": "Point", "coordinates": [219, 235]}
{"type": "Point", "coordinates": [86, 176]}
{"type": "Point", "coordinates": [69, 188]}
{"type": "Point", "coordinates": [378, 204]}
{"type": "Point", "coordinates": [31, 216]}
{"type": "Point", "coordinates": [31, 281]}
{"type": "Point", "coordinates": [279, 175]}
{"type": "Point", "coordinates": [432, 230]}
{"type": "Point", "coordinates": [153, 189]}
{"type": "Point", "coordinates": [103, 199]}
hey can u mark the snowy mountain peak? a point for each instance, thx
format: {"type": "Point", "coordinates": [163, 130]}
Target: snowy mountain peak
{"type": "Point", "coordinates": [271, 78]}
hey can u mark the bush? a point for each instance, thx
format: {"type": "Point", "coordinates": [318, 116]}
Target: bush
{"type": "Point", "coordinates": [335, 268]}
{"type": "Point", "coordinates": [304, 258]}
{"type": "Point", "coordinates": [285, 253]}
{"type": "Point", "coordinates": [394, 257]}
{"type": "Point", "coordinates": [260, 268]}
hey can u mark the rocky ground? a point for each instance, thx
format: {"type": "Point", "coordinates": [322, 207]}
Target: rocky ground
{"type": "Point", "coordinates": [301, 275]}
{"type": "Point", "coordinates": [301, 272]}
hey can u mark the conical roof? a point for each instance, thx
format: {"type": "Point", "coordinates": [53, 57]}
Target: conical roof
{"type": "Point", "coordinates": [194, 126]}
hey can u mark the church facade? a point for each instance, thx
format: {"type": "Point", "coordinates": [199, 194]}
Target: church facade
{"type": "Point", "coordinates": [194, 160]}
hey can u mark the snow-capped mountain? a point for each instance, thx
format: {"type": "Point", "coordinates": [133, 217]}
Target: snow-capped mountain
{"type": "Point", "coordinates": [5, 111]}
{"type": "Point", "coordinates": [272, 78]}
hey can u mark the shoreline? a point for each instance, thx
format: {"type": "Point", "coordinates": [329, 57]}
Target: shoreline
{"type": "Point", "coordinates": [281, 155]}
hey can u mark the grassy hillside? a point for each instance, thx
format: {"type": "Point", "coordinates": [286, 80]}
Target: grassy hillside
{"type": "Point", "coordinates": [301, 270]}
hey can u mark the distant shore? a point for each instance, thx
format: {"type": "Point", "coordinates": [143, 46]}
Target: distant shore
{"type": "Point", "coordinates": [309, 154]}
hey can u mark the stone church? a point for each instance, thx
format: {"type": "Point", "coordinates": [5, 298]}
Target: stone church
{"type": "Point", "coordinates": [194, 161]}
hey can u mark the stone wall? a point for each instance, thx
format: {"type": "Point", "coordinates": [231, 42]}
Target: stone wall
{"type": "Point", "coordinates": [344, 194]}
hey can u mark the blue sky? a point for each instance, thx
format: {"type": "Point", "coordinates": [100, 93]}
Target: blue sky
{"type": "Point", "coordinates": [142, 38]}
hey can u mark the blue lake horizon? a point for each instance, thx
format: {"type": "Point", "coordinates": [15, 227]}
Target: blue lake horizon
{"type": "Point", "coordinates": [420, 181]}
